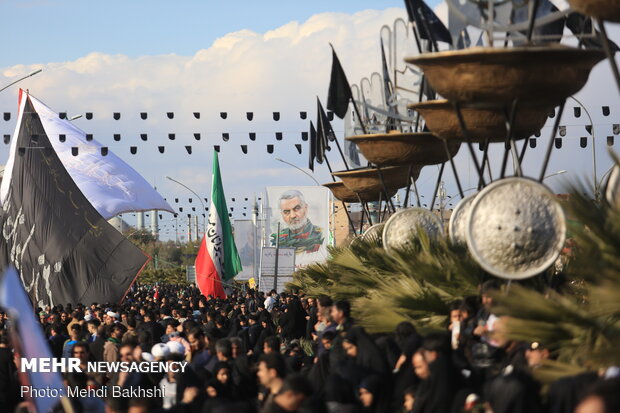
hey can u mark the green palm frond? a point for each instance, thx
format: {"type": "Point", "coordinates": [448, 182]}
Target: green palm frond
{"type": "Point", "coordinates": [415, 284]}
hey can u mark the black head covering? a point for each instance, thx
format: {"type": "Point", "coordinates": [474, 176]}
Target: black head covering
{"type": "Point", "coordinates": [436, 393]}
{"type": "Point", "coordinates": [368, 354]}
{"type": "Point", "coordinates": [372, 384]}
{"type": "Point", "coordinates": [516, 392]}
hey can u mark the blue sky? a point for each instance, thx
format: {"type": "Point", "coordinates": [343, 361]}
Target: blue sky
{"type": "Point", "coordinates": [58, 30]}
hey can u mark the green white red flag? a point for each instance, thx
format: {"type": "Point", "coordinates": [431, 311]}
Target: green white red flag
{"type": "Point", "coordinates": [218, 259]}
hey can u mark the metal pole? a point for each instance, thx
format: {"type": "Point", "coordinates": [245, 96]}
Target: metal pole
{"type": "Point", "coordinates": [504, 161]}
{"type": "Point", "coordinates": [204, 209]}
{"type": "Point", "coordinates": [486, 161]}
{"type": "Point", "coordinates": [275, 270]}
{"type": "Point", "coordinates": [385, 192]}
{"type": "Point", "coordinates": [417, 194]}
{"type": "Point", "coordinates": [299, 169]}
{"type": "Point", "coordinates": [254, 238]}
{"type": "Point", "coordinates": [525, 143]}
{"type": "Point", "coordinates": [479, 169]}
{"type": "Point", "coordinates": [176, 228]}
{"type": "Point", "coordinates": [530, 29]}
{"type": "Point", "coordinates": [596, 189]}
{"type": "Point", "coordinates": [453, 166]}
{"type": "Point", "coordinates": [510, 120]}
{"type": "Point", "coordinates": [20, 79]}
{"type": "Point", "coordinates": [346, 165]}
{"type": "Point", "coordinates": [437, 185]}
{"type": "Point", "coordinates": [262, 240]}
{"type": "Point", "coordinates": [556, 125]}
{"type": "Point", "coordinates": [408, 186]}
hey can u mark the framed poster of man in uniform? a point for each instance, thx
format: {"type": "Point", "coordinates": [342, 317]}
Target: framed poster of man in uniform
{"type": "Point", "coordinates": [303, 215]}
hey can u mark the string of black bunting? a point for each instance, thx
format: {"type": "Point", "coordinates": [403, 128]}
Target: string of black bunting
{"type": "Point", "coordinates": [104, 150]}
{"type": "Point", "coordinates": [276, 116]}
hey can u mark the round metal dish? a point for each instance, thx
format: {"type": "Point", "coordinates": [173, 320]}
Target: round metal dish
{"type": "Point", "coordinates": [601, 9]}
{"type": "Point", "coordinates": [516, 228]}
{"type": "Point", "coordinates": [396, 148]}
{"type": "Point", "coordinates": [366, 181]}
{"type": "Point", "coordinates": [488, 74]}
{"type": "Point", "coordinates": [405, 224]}
{"type": "Point", "coordinates": [457, 227]}
{"type": "Point", "coordinates": [374, 232]}
{"type": "Point", "coordinates": [482, 123]}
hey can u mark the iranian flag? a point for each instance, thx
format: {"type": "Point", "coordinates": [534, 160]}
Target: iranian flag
{"type": "Point", "coordinates": [218, 259]}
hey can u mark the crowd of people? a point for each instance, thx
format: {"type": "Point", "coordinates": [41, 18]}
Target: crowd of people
{"type": "Point", "coordinates": [287, 352]}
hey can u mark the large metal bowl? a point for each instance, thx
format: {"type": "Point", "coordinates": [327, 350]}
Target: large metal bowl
{"type": "Point", "coordinates": [367, 183]}
{"type": "Point", "coordinates": [488, 74]}
{"type": "Point", "coordinates": [482, 122]}
{"type": "Point", "coordinates": [396, 148]}
{"type": "Point", "coordinates": [601, 9]}
{"type": "Point", "coordinates": [342, 193]}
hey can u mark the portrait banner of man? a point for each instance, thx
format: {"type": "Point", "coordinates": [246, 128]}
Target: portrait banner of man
{"type": "Point", "coordinates": [303, 215]}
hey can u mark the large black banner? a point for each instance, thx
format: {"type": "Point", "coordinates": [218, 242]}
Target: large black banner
{"type": "Point", "coordinates": [64, 251]}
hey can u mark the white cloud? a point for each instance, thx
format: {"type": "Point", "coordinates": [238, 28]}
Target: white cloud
{"type": "Point", "coordinates": [280, 70]}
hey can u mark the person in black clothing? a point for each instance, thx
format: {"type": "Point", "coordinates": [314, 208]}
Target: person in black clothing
{"type": "Point", "coordinates": [254, 331]}
{"type": "Point", "coordinates": [9, 384]}
{"type": "Point", "coordinates": [437, 390]}
{"type": "Point", "coordinates": [350, 370]}
{"type": "Point", "coordinates": [96, 347]}
{"type": "Point", "coordinates": [153, 327]}
{"type": "Point", "coordinates": [295, 390]}
{"type": "Point", "coordinates": [361, 348]}
{"type": "Point", "coordinates": [57, 340]}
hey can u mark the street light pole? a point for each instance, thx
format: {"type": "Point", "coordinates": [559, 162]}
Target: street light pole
{"type": "Point", "coordinates": [299, 169]}
{"type": "Point", "coordinates": [204, 209]}
{"type": "Point", "coordinates": [22, 78]}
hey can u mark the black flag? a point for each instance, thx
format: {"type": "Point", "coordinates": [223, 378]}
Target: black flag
{"type": "Point", "coordinates": [339, 93]}
{"type": "Point", "coordinates": [63, 249]}
{"type": "Point", "coordinates": [324, 131]}
{"type": "Point", "coordinates": [312, 147]}
{"type": "Point", "coordinates": [424, 18]}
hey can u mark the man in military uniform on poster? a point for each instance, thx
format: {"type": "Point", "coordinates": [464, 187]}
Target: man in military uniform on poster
{"type": "Point", "coordinates": [300, 233]}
